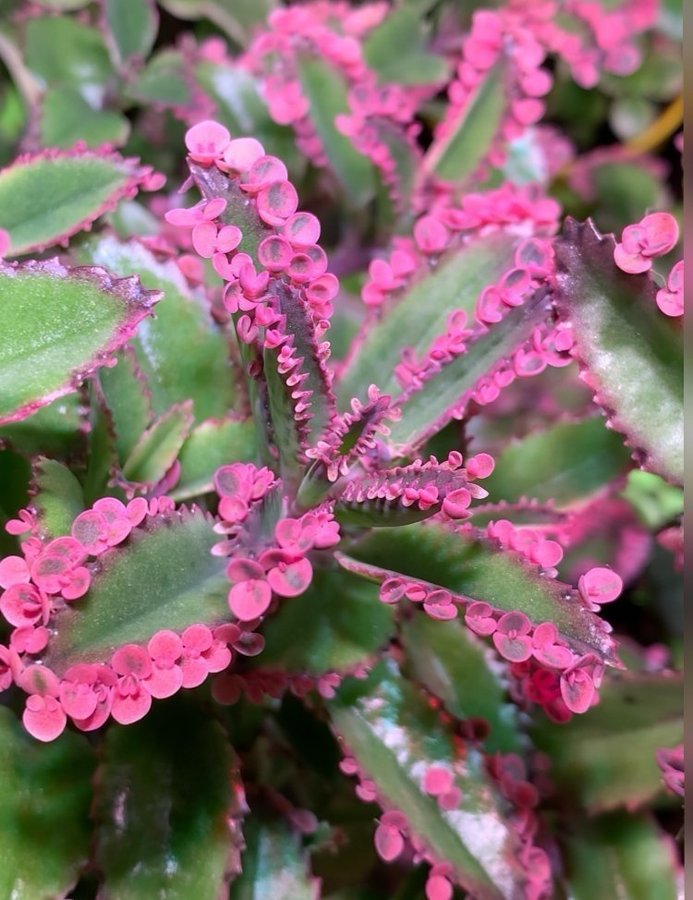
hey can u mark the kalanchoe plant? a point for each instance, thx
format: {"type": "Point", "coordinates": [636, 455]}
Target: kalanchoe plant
{"type": "Point", "coordinates": [329, 422]}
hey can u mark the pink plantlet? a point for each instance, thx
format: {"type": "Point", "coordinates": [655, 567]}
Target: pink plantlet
{"type": "Point", "coordinates": [578, 688]}
{"type": "Point", "coordinates": [511, 637]}
{"type": "Point", "coordinates": [131, 699]}
{"type": "Point", "coordinates": [653, 236]}
{"type": "Point", "coordinates": [44, 717]}
{"type": "Point", "coordinates": [479, 618]}
{"type": "Point", "coordinates": [207, 141]}
{"type": "Point", "coordinates": [599, 586]}
{"type": "Point", "coordinates": [13, 570]}
{"type": "Point", "coordinates": [24, 604]}
{"type": "Point", "coordinates": [670, 300]}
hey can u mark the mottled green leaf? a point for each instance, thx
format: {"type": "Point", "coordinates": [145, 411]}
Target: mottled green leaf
{"type": "Point", "coordinates": [395, 736]}
{"type": "Point", "coordinates": [127, 396]}
{"type": "Point", "coordinates": [60, 325]}
{"type": "Point", "coordinates": [58, 497]}
{"type": "Point", "coordinates": [44, 819]}
{"type": "Point", "coordinates": [606, 758]}
{"type": "Point", "coordinates": [162, 81]}
{"type": "Point", "coordinates": [237, 18]}
{"type": "Point", "coordinates": [396, 50]}
{"type": "Point", "coordinates": [62, 51]}
{"type": "Point", "coordinates": [131, 27]}
{"type": "Point", "coordinates": [633, 353]}
{"type": "Point", "coordinates": [164, 577]}
{"type": "Point", "coordinates": [564, 463]}
{"type": "Point", "coordinates": [274, 864]}
{"type": "Point", "coordinates": [166, 792]}
{"type": "Point", "coordinates": [67, 117]}
{"type": "Point", "coordinates": [336, 624]}
{"type": "Point", "coordinates": [455, 666]}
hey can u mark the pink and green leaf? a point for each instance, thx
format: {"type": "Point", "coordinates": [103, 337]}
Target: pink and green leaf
{"type": "Point", "coordinates": [168, 810]}
{"type": "Point", "coordinates": [45, 831]}
{"type": "Point", "coordinates": [274, 864]}
{"type": "Point", "coordinates": [61, 325]}
{"type": "Point", "coordinates": [395, 736]}
{"type": "Point", "coordinates": [164, 578]}
{"type": "Point", "coordinates": [631, 355]}
{"type": "Point", "coordinates": [57, 497]}
{"type": "Point", "coordinates": [48, 197]}
{"type": "Point", "coordinates": [159, 446]}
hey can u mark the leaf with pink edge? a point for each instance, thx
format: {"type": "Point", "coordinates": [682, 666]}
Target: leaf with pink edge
{"type": "Point", "coordinates": [458, 155]}
{"type": "Point", "coordinates": [454, 665]}
{"type": "Point", "coordinates": [567, 462]}
{"type": "Point", "coordinates": [164, 577]}
{"type": "Point", "coordinates": [335, 625]}
{"type": "Point", "coordinates": [621, 855]}
{"type": "Point", "coordinates": [327, 97]}
{"type": "Point", "coordinates": [395, 737]}
{"type": "Point", "coordinates": [44, 823]}
{"type": "Point", "coordinates": [60, 325]}
{"type": "Point", "coordinates": [168, 810]}
{"type": "Point", "coordinates": [476, 568]}
{"type": "Point", "coordinates": [631, 353]}
{"type": "Point", "coordinates": [274, 864]}
{"type": "Point", "coordinates": [58, 497]}
{"type": "Point", "coordinates": [127, 397]}
{"type": "Point", "coordinates": [48, 197]}
{"type": "Point", "coordinates": [606, 759]}
{"type": "Point", "coordinates": [159, 446]}
{"type": "Point", "coordinates": [181, 351]}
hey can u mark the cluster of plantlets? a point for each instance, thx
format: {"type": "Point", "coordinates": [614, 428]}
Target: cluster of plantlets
{"type": "Point", "coordinates": [323, 451]}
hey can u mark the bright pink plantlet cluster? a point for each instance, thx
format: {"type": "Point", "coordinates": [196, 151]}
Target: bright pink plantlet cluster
{"type": "Point", "coordinates": [670, 300]}
{"type": "Point", "coordinates": [655, 235]}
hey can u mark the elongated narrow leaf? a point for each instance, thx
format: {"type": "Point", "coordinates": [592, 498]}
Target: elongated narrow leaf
{"type": "Point", "coordinates": [621, 855]}
{"type": "Point", "coordinates": [632, 354]}
{"type": "Point", "coordinates": [158, 448]}
{"type": "Point", "coordinates": [395, 736]}
{"type": "Point", "coordinates": [274, 865]}
{"type": "Point", "coordinates": [458, 154]}
{"type": "Point", "coordinates": [327, 96]}
{"type": "Point", "coordinates": [181, 352]}
{"type": "Point", "coordinates": [167, 789]}
{"type": "Point", "coordinates": [336, 624]}
{"type": "Point", "coordinates": [606, 759]}
{"type": "Point", "coordinates": [476, 569]}
{"type": "Point", "coordinates": [58, 497]}
{"type": "Point", "coordinates": [162, 578]}
{"type": "Point", "coordinates": [456, 667]}
{"type": "Point", "coordinates": [44, 818]}
{"type": "Point", "coordinates": [127, 396]}
{"type": "Point", "coordinates": [421, 314]}
{"type": "Point", "coordinates": [48, 197]}
{"type": "Point", "coordinates": [58, 326]}
{"type": "Point", "coordinates": [209, 446]}
{"type": "Point", "coordinates": [564, 463]}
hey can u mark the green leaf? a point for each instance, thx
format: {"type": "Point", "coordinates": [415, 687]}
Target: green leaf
{"type": "Point", "coordinates": [164, 577]}
{"type": "Point", "coordinates": [395, 737]}
{"type": "Point", "coordinates": [606, 758]}
{"type": "Point", "coordinates": [132, 27]}
{"type": "Point", "coordinates": [621, 855]}
{"type": "Point", "coordinates": [53, 430]}
{"type": "Point", "coordinates": [60, 325]}
{"type": "Point", "coordinates": [66, 115]}
{"type": "Point", "coordinates": [162, 81]}
{"type": "Point", "coordinates": [396, 50]}
{"type": "Point", "coordinates": [564, 463]}
{"type": "Point", "coordinates": [327, 96]}
{"type": "Point", "coordinates": [655, 501]}
{"type": "Point", "coordinates": [44, 822]}
{"type": "Point", "coordinates": [455, 666]}
{"type": "Point", "coordinates": [158, 448]}
{"type": "Point", "coordinates": [62, 51]}
{"type": "Point", "coordinates": [180, 351]}
{"type": "Point", "coordinates": [47, 198]}
{"type": "Point", "coordinates": [416, 321]}
{"type": "Point", "coordinates": [336, 624]}
{"type": "Point", "coordinates": [128, 398]}
{"type": "Point", "coordinates": [624, 192]}
{"type": "Point", "coordinates": [209, 446]}
{"type": "Point", "coordinates": [475, 568]}
{"type": "Point", "coordinates": [457, 155]}
{"type": "Point", "coordinates": [633, 354]}
{"type": "Point", "coordinates": [237, 18]}
{"type": "Point", "coordinates": [274, 864]}
{"type": "Point", "coordinates": [166, 790]}
{"type": "Point", "coordinates": [58, 497]}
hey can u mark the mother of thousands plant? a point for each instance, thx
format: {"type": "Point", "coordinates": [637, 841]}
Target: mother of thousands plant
{"type": "Point", "coordinates": [294, 584]}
